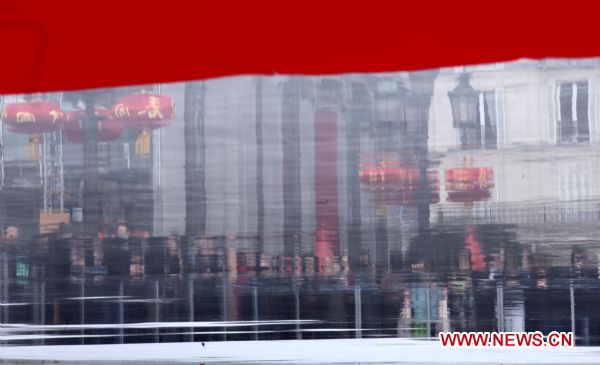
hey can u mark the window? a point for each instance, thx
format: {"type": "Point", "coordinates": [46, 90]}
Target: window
{"type": "Point", "coordinates": [575, 181]}
{"type": "Point", "coordinates": [572, 115]}
{"type": "Point", "coordinates": [483, 134]}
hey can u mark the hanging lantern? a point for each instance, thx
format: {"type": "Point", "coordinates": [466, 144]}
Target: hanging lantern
{"type": "Point", "coordinates": [381, 176]}
{"type": "Point", "coordinates": [33, 118]}
{"type": "Point", "coordinates": [144, 112]}
{"type": "Point", "coordinates": [108, 129]}
{"type": "Point", "coordinates": [400, 184]}
{"type": "Point", "coordinates": [469, 184]}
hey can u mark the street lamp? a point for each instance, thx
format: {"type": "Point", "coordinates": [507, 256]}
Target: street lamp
{"type": "Point", "coordinates": [464, 100]}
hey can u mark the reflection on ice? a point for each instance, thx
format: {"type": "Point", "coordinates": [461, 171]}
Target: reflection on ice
{"type": "Point", "coordinates": [265, 208]}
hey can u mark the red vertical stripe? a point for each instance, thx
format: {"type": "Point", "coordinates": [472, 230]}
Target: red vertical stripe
{"type": "Point", "coordinates": [326, 184]}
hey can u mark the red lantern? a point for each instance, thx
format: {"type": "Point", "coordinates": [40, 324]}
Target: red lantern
{"type": "Point", "coordinates": [108, 129]}
{"type": "Point", "coordinates": [469, 184]}
{"type": "Point", "coordinates": [400, 184]}
{"type": "Point", "coordinates": [470, 174]}
{"type": "Point", "coordinates": [144, 112]}
{"type": "Point", "coordinates": [33, 118]}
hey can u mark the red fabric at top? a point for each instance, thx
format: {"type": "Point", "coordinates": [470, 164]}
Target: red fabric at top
{"type": "Point", "coordinates": [68, 44]}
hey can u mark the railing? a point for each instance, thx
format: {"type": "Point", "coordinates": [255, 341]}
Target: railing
{"type": "Point", "coordinates": [517, 213]}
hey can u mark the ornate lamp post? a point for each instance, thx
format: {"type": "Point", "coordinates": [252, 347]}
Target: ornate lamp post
{"type": "Point", "coordinates": [464, 100]}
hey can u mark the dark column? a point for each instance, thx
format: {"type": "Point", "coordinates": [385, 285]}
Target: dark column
{"type": "Point", "coordinates": [260, 200]}
{"type": "Point", "coordinates": [195, 208]}
{"type": "Point", "coordinates": [418, 121]}
{"type": "Point", "coordinates": [290, 130]}
{"type": "Point", "coordinates": [91, 198]}
{"type": "Point", "coordinates": [359, 113]}
{"type": "Point", "coordinates": [385, 128]}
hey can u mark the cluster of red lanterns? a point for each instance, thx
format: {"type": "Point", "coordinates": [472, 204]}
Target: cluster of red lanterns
{"type": "Point", "coordinates": [469, 184]}
{"type": "Point", "coordinates": [399, 183]}
{"type": "Point", "coordinates": [141, 111]}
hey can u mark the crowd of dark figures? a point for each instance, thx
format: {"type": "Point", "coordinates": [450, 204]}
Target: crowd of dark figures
{"type": "Point", "coordinates": [69, 288]}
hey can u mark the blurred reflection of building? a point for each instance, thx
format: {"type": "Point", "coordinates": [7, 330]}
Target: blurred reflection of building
{"type": "Point", "coordinates": [259, 153]}
{"type": "Point", "coordinates": [538, 129]}
{"type": "Point", "coordinates": [338, 192]}
{"type": "Point", "coordinates": [129, 186]}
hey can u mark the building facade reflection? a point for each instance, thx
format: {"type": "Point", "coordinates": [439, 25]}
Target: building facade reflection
{"type": "Point", "coordinates": [315, 207]}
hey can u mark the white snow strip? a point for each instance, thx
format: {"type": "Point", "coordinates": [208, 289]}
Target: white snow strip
{"type": "Point", "coordinates": [388, 350]}
{"type": "Point", "coordinates": [25, 327]}
{"type": "Point", "coordinates": [49, 337]}
{"type": "Point", "coordinates": [13, 304]}
{"type": "Point", "coordinates": [228, 332]}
